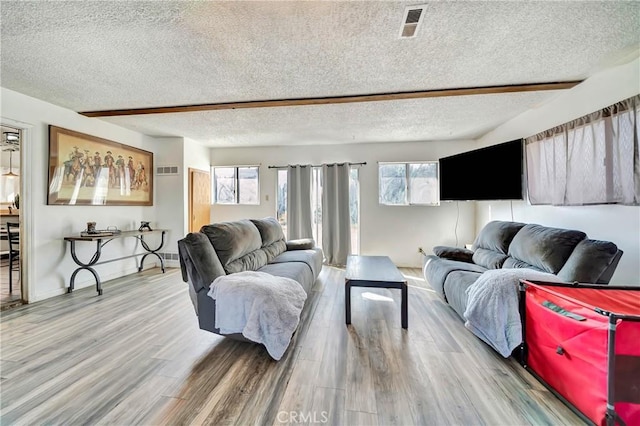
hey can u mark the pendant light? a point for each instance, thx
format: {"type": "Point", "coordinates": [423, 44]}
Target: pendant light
{"type": "Point", "coordinates": [10, 174]}
{"type": "Point", "coordinates": [11, 138]}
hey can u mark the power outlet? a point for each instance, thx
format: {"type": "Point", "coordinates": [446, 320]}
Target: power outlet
{"type": "Point", "coordinates": [420, 250]}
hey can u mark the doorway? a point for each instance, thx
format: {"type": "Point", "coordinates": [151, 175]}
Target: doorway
{"type": "Point", "coordinates": [199, 199]}
{"type": "Point", "coordinates": [11, 282]}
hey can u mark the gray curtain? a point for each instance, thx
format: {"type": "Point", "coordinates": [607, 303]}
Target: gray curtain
{"type": "Point", "coordinates": [336, 221]}
{"type": "Point", "coordinates": [299, 202]}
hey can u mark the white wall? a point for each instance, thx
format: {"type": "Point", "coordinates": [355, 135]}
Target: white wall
{"type": "Point", "coordinates": [52, 264]}
{"type": "Point", "coordinates": [172, 190]}
{"type": "Point", "coordinates": [171, 194]}
{"type": "Point", "coordinates": [196, 156]}
{"type": "Point", "coordinates": [619, 224]}
{"type": "Point", "coordinates": [396, 231]}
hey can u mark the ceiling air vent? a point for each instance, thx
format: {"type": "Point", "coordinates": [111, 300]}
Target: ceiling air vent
{"type": "Point", "coordinates": [413, 16]}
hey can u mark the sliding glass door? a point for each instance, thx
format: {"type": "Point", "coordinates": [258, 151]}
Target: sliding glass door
{"type": "Point", "coordinates": [316, 205]}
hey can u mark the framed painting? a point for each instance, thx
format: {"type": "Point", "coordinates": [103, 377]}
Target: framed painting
{"type": "Point", "coordinates": [87, 170]}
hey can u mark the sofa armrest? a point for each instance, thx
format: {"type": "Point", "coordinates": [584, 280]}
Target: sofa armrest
{"type": "Point", "coordinates": [592, 261]}
{"type": "Point", "coordinates": [199, 261]}
{"type": "Point", "coordinates": [301, 244]}
{"type": "Point", "coordinates": [608, 273]}
{"type": "Point", "coordinates": [454, 253]}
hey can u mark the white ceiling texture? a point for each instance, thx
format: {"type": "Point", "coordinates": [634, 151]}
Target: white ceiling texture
{"type": "Point", "coordinates": [106, 55]}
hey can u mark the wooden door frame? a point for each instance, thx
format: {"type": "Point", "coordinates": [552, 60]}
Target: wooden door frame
{"type": "Point", "coordinates": [190, 170]}
{"type": "Point", "coordinates": [27, 267]}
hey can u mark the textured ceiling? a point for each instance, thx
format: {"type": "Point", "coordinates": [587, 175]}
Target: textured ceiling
{"type": "Point", "coordinates": [112, 55]}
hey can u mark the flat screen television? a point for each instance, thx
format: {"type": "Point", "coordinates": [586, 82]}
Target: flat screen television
{"type": "Point", "coordinates": [491, 173]}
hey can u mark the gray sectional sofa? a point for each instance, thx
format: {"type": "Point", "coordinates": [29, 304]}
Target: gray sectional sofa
{"type": "Point", "coordinates": [244, 245]}
{"type": "Point", "coordinates": [569, 254]}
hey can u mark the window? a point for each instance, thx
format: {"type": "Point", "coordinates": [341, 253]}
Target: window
{"type": "Point", "coordinates": [354, 210]}
{"type": "Point", "coordinates": [236, 185]}
{"type": "Point", "coordinates": [590, 160]}
{"type": "Point", "coordinates": [316, 205]}
{"type": "Point", "coordinates": [403, 184]}
{"type": "Point", "coordinates": [281, 199]}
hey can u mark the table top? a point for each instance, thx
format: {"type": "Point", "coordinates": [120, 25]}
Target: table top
{"type": "Point", "coordinates": [122, 234]}
{"type": "Point", "coordinates": [372, 268]}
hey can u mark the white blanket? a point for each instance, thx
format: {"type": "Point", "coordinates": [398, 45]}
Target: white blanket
{"type": "Point", "coordinates": [264, 308]}
{"type": "Point", "coordinates": [492, 311]}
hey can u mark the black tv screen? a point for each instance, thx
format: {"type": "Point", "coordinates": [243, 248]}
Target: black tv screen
{"type": "Point", "coordinates": [491, 173]}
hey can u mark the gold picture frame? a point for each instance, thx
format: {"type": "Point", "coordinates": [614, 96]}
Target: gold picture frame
{"type": "Point", "coordinates": [88, 170]}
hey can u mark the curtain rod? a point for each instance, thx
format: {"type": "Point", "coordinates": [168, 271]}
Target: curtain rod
{"type": "Point", "coordinates": [317, 165]}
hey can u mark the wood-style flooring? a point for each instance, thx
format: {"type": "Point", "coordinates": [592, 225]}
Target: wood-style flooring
{"type": "Point", "coordinates": [9, 299]}
{"type": "Point", "coordinates": [135, 355]}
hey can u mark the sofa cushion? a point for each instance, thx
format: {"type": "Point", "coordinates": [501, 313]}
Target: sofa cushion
{"type": "Point", "coordinates": [274, 249]}
{"type": "Point", "coordinates": [436, 271]}
{"type": "Point", "coordinates": [497, 235]}
{"type": "Point", "coordinates": [488, 258]}
{"type": "Point", "coordinates": [455, 287]}
{"type": "Point", "coordinates": [249, 262]}
{"type": "Point", "coordinates": [588, 261]}
{"type": "Point", "coordinates": [270, 230]}
{"type": "Point", "coordinates": [545, 248]}
{"type": "Point", "coordinates": [232, 240]}
{"type": "Point", "coordinates": [510, 262]}
{"type": "Point", "coordinates": [454, 253]}
{"type": "Point", "coordinates": [297, 271]}
{"type": "Point", "coordinates": [311, 257]}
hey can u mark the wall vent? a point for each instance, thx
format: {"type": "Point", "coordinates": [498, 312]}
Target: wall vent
{"type": "Point", "coordinates": [167, 170]}
{"type": "Point", "coordinates": [411, 21]}
{"type": "Point", "coordinates": [169, 256]}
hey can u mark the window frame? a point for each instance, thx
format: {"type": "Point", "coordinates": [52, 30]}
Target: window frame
{"type": "Point", "coordinates": [407, 172]}
{"type": "Point", "coordinates": [236, 185]}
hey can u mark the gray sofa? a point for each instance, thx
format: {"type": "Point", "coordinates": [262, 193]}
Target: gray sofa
{"type": "Point", "coordinates": [245, 245]}
{"type": "Point", "coordinates": [569, 254]}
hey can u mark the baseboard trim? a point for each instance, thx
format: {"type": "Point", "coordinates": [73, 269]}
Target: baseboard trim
{"type": "Point", "coordinates": [89, 282]}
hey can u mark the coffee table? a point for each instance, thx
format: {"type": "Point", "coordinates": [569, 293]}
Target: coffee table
{"type": "Point", "coordinates": [374, 271]}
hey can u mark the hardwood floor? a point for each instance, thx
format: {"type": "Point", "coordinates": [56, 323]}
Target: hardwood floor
{"type": "Point", "coordinates": [136, 356]}
{"type": "Point", "coordinates": [9, 299]}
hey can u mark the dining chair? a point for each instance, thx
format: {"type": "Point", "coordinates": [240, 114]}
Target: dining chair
{"type": "Point", "coordinates": [13, 235]}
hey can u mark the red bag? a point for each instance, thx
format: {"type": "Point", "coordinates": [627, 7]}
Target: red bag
{"type": "Point", "coordinates": [583, 342]}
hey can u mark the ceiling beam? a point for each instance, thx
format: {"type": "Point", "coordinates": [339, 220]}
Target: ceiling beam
{"type": "Point", "coordinates": [468, 91]}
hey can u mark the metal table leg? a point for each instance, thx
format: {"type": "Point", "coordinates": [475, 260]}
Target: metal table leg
{"type": "Point", "coordinates": [150, 251]}
{"type": "Point", "coordinates": [86, 266]}
{"type": "Point", "coordinates": [404, 306]}
{"type": "Point", "coordinates": [347, 302]}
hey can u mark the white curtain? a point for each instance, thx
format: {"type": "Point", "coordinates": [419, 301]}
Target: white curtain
{"type": "Point", "coordinates": [299, 202]}
{"type": "Point", "coordinates": [336, 220]}
{"type": "Point", "coordinates": [594, 159]}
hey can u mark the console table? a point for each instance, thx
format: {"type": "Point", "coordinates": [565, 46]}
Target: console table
{"type": "Point", "coordinates": [101, 241]}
